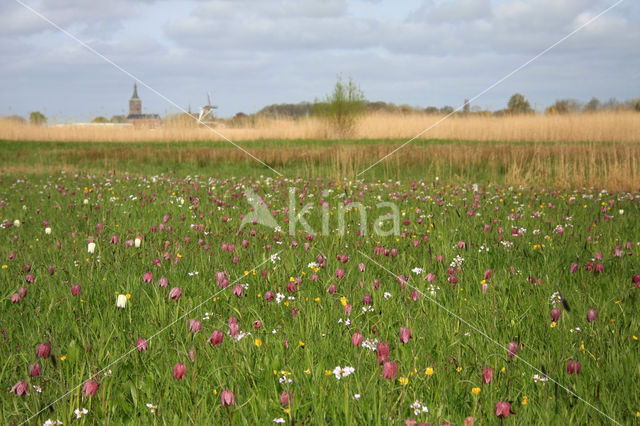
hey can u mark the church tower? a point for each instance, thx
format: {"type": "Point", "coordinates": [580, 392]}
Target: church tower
{"type": "Point", "coordinates": [135, 104]}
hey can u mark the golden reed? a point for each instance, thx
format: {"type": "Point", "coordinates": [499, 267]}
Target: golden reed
{"type": "Point", "coordinates": [566, 151]}
{"type": "Point", "coordinates": [597, 127]}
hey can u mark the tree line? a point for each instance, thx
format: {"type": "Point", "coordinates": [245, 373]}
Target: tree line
{"type": "Point", "coordinates": [347, 101]}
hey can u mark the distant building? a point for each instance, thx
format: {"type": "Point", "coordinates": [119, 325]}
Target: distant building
{"type": "Point", "coordinates": [136, 117]}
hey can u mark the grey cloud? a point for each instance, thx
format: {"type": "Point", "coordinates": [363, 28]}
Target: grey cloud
{"type": "Point", "coordinates": [251, 53]}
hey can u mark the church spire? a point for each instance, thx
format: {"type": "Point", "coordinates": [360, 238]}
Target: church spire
{"type": "Point", "coordinates": [135, 91]}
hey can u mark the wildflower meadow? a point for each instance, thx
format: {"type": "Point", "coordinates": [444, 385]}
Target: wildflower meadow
{"type": "Point", "coordinates": [166, 299]}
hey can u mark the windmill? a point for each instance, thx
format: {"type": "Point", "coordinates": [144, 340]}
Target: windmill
{"type": "Point", "coordinates": [206, 112]}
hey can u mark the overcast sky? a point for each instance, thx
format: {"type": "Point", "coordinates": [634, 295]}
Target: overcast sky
{"type": "Point", "coordinates": [251, 53]}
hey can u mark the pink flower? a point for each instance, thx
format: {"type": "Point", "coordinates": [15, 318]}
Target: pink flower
{"type": "Point", "coordinates": [512, 348]}
{"type": "Point", "coordinates": [405, 334]}
{"type": "Point", "coordinates": [461, 245]}
{"type": "Point", "coordinates": [90, 388]}
{"type": "Point", "coordinates": [382, 351]}
{"type": "Point", "coordinates": [179, 370]}
{"type": "Point", "coordinates": [234, 329]}
{"type": "Point", "coordinates": [286, 397]}
{"type": "Point", "coordinates": [216, 338]}
{"type": "Point", "coordinates": [269, 295]}
{"type": "Point", "coordinates": [22, 291]}
{"type": "Point", "coordinates": [389, 370]}
{"type": "Point", "coordinates": [366, 299]}
{"type": "Point", "coordinates": [488, 274]}
{"type": "Point", "coordinates": [227, 398]}
{"type": "Point", "coordinates": [35, 370]}
{"type": "Point", "coordinates": [257, 324]}
{"type": "Point", "coordinates": [503, 409]}
{"type": "Point", "coordinates": [573, 367]}
{"type": "Point", "coordinates": [75, 289]}
{"type": "Point", "coordinates": [147, 277]}
{"type": "Point", "coordinates": [291, 287]}
{"type": "Point", "coordinates": [141, 344]}
{"type": "Point", "coordinates": [332, 289]}
{"type": "Point", "coordinates": [339, 273]}
{"type": "Point", "coordinates": [15, 298]}
{"type": "Point", "coordinates": [237, 290]}
{"type": "Point", "coordinates": [431, 277]}
{"type": "Point", "coordinates": [555, 314]}
{"type": "Point", "coordinates": [356, 339]}
{"type": "Point", "coordinates": [574, 268]}
{"type": "Point", "coordinates": [175, 293]}
{"type": "Point", "coordinates": [599, 268]}
{"type": "Point", "coordinates": [30, 278]}
{"type": "Point", "coordinates": [415, 295]}
{"type": "Point", "coordinates": [194, 325]}
{"type": "Point", "coordinates": [163, 282]}
{"type": "Point", "coordinates": [592, 315]}
{"type": "Point", "coordinates": [20, 388]}
{"type": "Point", "coordinates": [347, 309]}
{"type": "Point", "coordinates": [43, 350]}
{"type": "Point", "coordinates": [361, 267]}
{"type": "Point", "coordinates": [487, 375]}
{"type": "Point", "coordinates": [113, 239]}
{"type": "Point", "coordinates": [636, 279]}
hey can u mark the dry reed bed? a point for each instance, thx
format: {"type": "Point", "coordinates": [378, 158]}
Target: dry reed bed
{"type": "Point", "coordinates": [612, 166]}
{"type": "Point", "coordinates": [610, 127]}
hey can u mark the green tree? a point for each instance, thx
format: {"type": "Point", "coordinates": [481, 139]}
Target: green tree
{"type": "Point", "coordinates": [592, 106]}
{"type": "Point", "coordinates": [564, 106]}
{"type": "Point", "coordinates": [37, 118]}
{"type": "Point", "coordinates": [100, 119]}
{"type": "Point", "coordinates": [342, 108]}
{"type": "Point", "coordinates": [518, 104]}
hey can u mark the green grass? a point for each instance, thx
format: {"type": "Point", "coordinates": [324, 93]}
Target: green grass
{"type": "Point", "coordinates": [184, 158]}
{"type": "Point", "coordinates": [92, 334]}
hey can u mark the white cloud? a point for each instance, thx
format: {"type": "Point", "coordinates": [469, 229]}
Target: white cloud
{"type": "Point", "coordinates": [254, 52]}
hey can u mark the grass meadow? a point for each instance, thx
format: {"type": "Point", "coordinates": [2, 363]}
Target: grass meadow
{"type": "Point", "coordinates": [506, 293]}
